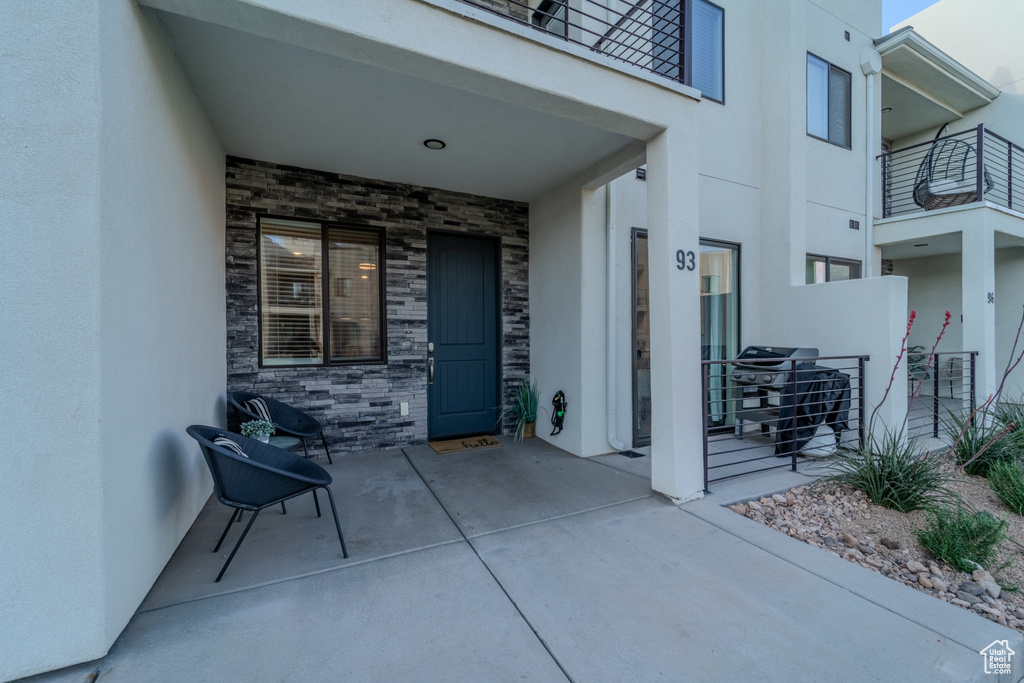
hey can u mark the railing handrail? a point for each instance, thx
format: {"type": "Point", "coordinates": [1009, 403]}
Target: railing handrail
{"type": "Point", "coordinates": [940, 352]}
{"type": "Point", "coordinates": [996, 135]}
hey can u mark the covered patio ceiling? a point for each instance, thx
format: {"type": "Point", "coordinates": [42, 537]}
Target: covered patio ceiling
{"type": "Point", "coordinates": [938, 245]}
{"type": "Point", "coordinates": [278, 102]}
{"type": "Point", "coordinates": [923, 87]}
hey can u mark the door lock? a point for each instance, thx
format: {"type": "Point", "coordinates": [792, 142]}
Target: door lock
{"type": "Point", "coordinates": [430, 347]}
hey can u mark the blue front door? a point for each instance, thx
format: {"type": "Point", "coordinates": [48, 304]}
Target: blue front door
{"type": "Point", "coordinates": [462, 327]}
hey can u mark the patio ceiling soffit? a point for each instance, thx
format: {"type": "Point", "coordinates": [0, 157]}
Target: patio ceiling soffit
{"type": "Point", "coordinates": [925, 87]}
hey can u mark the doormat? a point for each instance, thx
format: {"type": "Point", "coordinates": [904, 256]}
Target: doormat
{"type": "Point", "coordinates": [470, 444]}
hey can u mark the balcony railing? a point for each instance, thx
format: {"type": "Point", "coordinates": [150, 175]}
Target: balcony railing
{"type": "Point", "coordinates": [945, 386]}
{"type": "Point", "coordinates": [953, 170]}
{"type": "Point", "coordinates": [816, 406]}
{"type": "Point", "coordinates": [646, 33]}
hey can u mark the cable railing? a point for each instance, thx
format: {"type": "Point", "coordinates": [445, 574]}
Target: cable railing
{"type": "Point", "coordinates": [647, 33]}
{"type": "Point", "coordinates": [945, 391]}
{"type": "Point", "coordinates": [953, 170]}
{"type": "Point", "coordinates": [756, 423]}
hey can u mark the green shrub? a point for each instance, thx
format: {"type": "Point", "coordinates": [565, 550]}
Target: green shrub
{"type": "Point", "coordinates": [970, 439]}
{"type": "Point", "coordinates": [1012, 413]}
{"type": "Point", "coordinates": [959, 537]}
{"type": "Point", "coordinates": [1007, 480]}
{"type": "Point", "coordinates": [892, 475]}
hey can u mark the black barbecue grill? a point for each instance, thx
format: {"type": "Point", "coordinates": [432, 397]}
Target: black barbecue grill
{"type": "Point", "coordinates": [759, 373]}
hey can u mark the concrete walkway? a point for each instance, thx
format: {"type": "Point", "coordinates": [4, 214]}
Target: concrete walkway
{"type": "Point", "coordinates": [525, 563]}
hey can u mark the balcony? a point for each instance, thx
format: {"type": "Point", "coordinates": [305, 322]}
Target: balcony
{"type": "Point", "coordinates": [973, 166]}
{"type": "Point", "coordinates": [649, 34]}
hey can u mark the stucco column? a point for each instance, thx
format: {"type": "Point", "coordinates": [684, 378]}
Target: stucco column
{"type": "Point", "coordinates": [673, 239]}
{"type": "Point", "coordinates": [979, 291]}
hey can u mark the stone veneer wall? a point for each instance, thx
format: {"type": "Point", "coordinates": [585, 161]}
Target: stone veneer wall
{"type": "Point", "coordinates": [359, 404]}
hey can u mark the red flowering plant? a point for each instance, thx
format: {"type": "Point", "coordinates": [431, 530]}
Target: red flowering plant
{"type": "Point", "coordinates": [888, 467]}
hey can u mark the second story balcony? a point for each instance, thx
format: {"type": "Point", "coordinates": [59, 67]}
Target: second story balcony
{"type": "Point", "coordinates": [954, 169]}
{"type": "Point", "coordinates": [681, 40]}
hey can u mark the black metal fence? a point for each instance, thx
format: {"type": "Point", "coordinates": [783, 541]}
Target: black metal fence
{"type": "Point", "coordinates": [647, 33]}
{"type": "Point", "coordinates": [952, 170]}
{"type": "Point", "coordinates": [944, 384]}
{"type": "Point", "coordinates": [761, 421]}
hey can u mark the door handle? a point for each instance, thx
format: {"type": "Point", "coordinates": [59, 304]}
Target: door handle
{"type": "Point", "coordinates": [430, 371]}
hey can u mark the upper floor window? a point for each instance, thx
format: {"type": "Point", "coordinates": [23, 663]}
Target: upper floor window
{"type": "Point", "coordinates": [320, 297]}
{"type": "Point", "coordinates": [707, 49]}
{"type": "Point", "coordinates": [829, 269]}
{"type": "Point", "coordinates": [697, 61]}
{"type": "Point", "coordinates": [828, 102]}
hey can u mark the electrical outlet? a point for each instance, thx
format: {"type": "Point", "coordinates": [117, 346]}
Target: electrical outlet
{"type": "Point", "coordinates": [404, 406]}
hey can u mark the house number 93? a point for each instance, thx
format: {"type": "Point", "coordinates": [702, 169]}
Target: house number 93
{"type": "Point", "coordinates": [686, 260]}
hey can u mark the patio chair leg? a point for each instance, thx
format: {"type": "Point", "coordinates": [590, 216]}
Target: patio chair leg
{"type": "Point", "coordinates": [231, 520]}
{"type": "Point", "coordinates": [284, 511]}
{"type": "Point", "coordinates": [324, 442]}
{"type": "Point", "coordinates": [235, 549]}
{"type": "Point", "coordinates": [337, 524]}
{"type": "Point", "coordinates": [305, 450]}
{"type": "Point", "coordinates": [316, 502]}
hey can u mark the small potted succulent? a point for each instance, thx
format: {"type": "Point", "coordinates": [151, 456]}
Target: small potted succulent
{"type": "Point", "coordinates": [258, 429]}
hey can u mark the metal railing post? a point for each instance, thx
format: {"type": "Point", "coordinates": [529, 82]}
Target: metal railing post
{"type": "Point", "coordinates": [704, 369]}
{"type": "Point", "coordinates": [885, 185]}
{"type": "Point", "coordinates": [861, 402]}
{"type": "Point", "coordinates": [793, 397]}
{"type": "Point", "coordinates": [935, 398]}
{"type": "Point", "coordinates": [1009, 174]}
{"type": "Point", "coordinates": [974, 355]}
{"type": "Point", "coordinates": [980, 166]}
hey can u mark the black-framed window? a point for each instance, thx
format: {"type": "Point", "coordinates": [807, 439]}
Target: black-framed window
{"type": "Point", "coordinates": [699, 60]}
{"type": "Point", "coordinates": [830, 269]}
{"type": "Point", "coordinates": [321, 300]}
{"type": "Point", "coordinates": [828, 102]}
{"type": "Point", "coordinates": [707, 49]}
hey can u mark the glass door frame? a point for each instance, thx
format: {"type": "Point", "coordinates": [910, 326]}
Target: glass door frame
{"type": "Point", "coordinates": [737, 266]}
{"type": "Point", "coordinates": [639, 441]}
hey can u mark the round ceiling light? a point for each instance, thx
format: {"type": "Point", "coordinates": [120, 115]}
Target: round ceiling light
{"type": "Point", "coordinates": [434, 144]}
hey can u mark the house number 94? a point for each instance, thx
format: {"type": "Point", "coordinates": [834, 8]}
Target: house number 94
{"type": "Point", "coordinates": [686, 260]}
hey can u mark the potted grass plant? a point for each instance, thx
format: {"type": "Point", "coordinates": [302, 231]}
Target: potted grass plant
{"type": "Point", "coordinates": [524, 409]}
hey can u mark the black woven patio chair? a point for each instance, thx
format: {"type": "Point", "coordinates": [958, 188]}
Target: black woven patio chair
{"type": "Point", "coordinates": [264, 476]}
{"type": "Point", "coordinates": [947, 175]}
{"type": "Point", "coordinates": [289, 421]}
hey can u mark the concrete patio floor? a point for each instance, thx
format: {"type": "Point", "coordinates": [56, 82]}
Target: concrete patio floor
{"type": "Point", "coordinates": [526, 563]}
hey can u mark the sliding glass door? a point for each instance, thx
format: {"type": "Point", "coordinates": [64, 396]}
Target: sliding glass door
{"type": "Point", "coordinates": [719, 321]}
{"type": "Point", "coordinates": [719, 328]}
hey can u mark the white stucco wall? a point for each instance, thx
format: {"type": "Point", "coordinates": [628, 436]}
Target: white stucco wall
{"type": "Point", "coordinates": [51, 539]}
{"type": "Point", "coordinates": [556, 298]}
{"type": "Point", "coordinates": [983, 36]}
{"type": "Point", "coordinates": [854, 317]}
{"type": "Point", "coordinates": [114, 336]}
{"type": "Point", "coordinates": [934, 288]}
{"type": "Point", "coordinates": [163, 330]}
